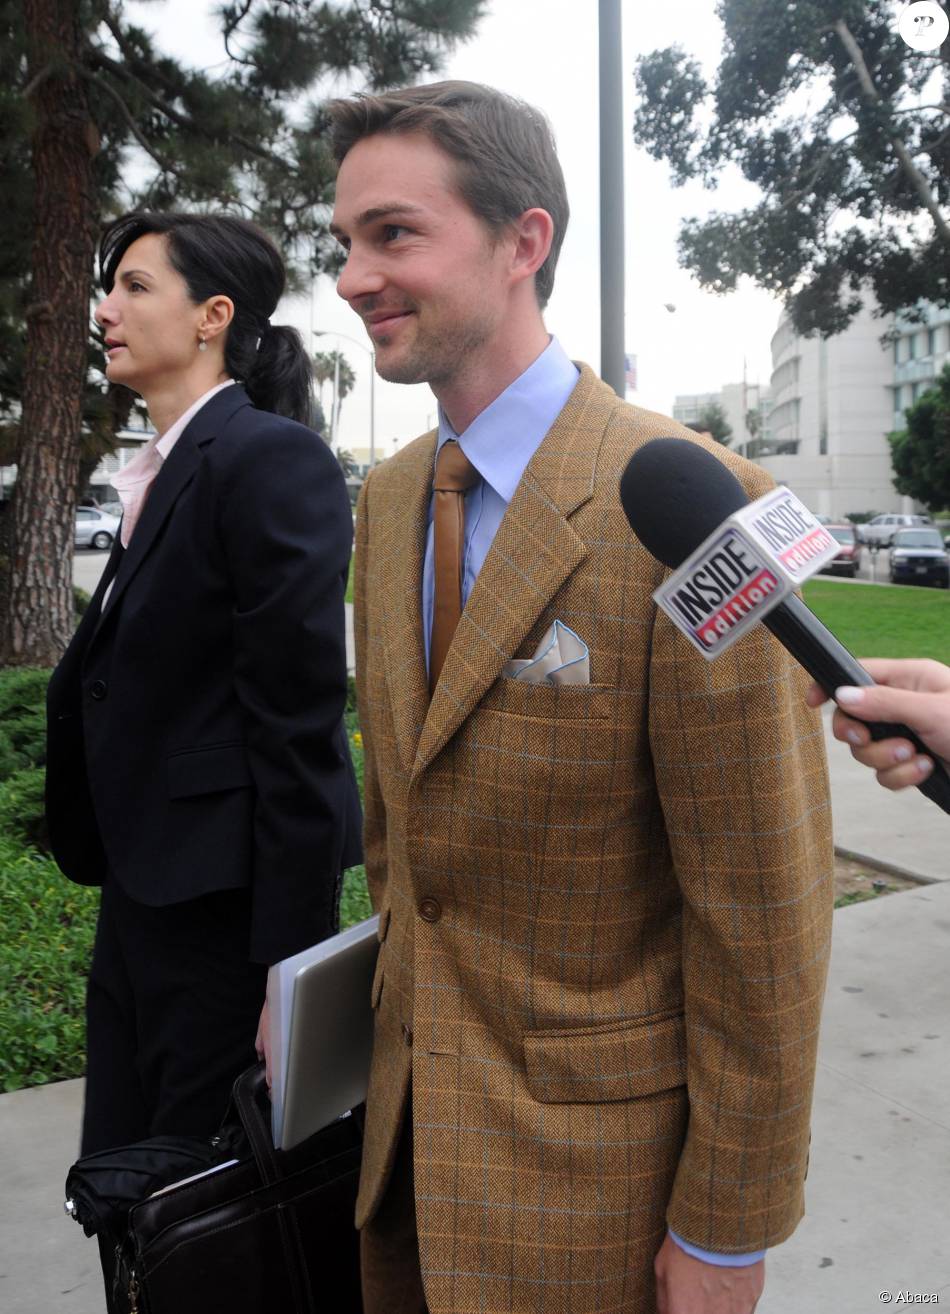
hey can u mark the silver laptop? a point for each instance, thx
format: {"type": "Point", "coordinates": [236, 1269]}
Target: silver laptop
{"type": "Point", "coordinates": [321, 1032]}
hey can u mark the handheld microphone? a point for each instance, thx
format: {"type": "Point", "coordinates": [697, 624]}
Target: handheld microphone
{"type": "Point", "coordinates": [676, 496]}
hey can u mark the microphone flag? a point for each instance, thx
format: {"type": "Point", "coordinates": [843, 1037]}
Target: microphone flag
{"type": "Point", "coordinates": [750, 563]}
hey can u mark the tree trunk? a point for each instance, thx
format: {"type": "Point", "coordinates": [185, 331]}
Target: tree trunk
{"type": "Point", "coordinates": [37, 620]}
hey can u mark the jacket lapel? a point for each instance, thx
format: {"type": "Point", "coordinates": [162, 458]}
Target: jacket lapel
{"type": "Point", "coordinates": [401, 553]}
{"type": "Point", "coordinates": [175, 475]}
{"type": "Point", "coordinates": [534, 552]}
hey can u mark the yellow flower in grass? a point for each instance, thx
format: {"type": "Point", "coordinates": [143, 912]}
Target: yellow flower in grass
{"type": "Point", "coordinates": [357, 739]}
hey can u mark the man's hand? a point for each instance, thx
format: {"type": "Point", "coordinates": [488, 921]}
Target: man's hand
{"type": "Point", "coordinates": [685, 1285]}
{"type": "Point", "coordinates": [262, 1042]}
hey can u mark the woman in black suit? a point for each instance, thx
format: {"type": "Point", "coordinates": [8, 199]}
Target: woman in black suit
{"type": "Point", "coordinates": [198, 767]}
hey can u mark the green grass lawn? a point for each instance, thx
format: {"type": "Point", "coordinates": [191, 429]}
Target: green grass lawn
{"type": "Point", "coordinates": [894, 620]}
{"type": "Point", "coordinates": [48, 927]}
{"type": "Point", "coordinates": [349, 584]}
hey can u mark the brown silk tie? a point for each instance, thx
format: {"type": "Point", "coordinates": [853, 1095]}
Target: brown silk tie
{"type": "Point", "coordinates": [454, 473]}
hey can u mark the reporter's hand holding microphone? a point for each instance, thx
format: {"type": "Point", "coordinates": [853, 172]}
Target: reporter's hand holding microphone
{"type": "Point", "coordinates": [913, 692]}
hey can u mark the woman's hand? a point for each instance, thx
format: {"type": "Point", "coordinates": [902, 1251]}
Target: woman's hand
{"type": "Point", "coordinates": [914, 692]}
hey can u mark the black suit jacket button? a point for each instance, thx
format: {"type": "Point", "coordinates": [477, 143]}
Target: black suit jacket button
{"type": "Point", "coordinates": [98, 690]}
{"type": "Point", "coordinates": [430, 910]}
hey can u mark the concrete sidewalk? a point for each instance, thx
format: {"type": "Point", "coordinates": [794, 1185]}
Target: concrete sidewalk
{"type": "Point", "coordinates": [903, 831]}
{"type": "Point", "coordinates": [876, 1192]}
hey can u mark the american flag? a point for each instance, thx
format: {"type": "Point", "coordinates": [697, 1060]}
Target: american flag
{"type": "Point", "coordinates": [630, 372]}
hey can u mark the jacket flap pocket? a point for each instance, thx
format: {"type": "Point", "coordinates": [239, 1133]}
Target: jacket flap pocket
{"type": "Point", "coordinates": [586, 1065]}
{"type": "Point", "coordinates": [207, 770]}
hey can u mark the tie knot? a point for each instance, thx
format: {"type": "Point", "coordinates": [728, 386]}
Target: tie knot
{"type": "Point", "coordinates": [454, 472]}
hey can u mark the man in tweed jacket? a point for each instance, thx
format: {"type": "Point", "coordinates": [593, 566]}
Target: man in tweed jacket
{"type": "Point", "coordinates": [604, 909]}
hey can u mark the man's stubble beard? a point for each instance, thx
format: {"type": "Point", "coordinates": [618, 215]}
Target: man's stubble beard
{"type": "Point", "coordinates": [437, 358]}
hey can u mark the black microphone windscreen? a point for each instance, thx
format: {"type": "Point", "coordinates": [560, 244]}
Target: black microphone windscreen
{"type": "Point", "coordinates": [675, 493]}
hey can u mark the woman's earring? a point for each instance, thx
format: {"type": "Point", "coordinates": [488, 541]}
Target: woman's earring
{"type": "Point", "coordinates": [202, 345]}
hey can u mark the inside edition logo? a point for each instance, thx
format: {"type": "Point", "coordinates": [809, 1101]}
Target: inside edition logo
{"type": "Point", "coordinates": [720, 592]}
{"type": "Point", "coordinates": [763, 552]}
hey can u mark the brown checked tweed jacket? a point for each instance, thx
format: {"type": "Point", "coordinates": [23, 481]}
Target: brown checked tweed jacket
{"type": "Point", "coordinates": [605, 910]}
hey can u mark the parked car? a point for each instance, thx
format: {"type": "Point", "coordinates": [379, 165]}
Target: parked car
{"type": "Point", "coordinates": [849, 553]}
{"type": "Point", "coordinates": [882, 528]}
{"type": "Point", "coordinates": [919, 557]}
{"type": "Point", "coordinates": [94, 528]}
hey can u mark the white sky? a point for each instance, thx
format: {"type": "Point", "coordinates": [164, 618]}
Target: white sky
{"type": "Point", "coordinates": [545, 51]}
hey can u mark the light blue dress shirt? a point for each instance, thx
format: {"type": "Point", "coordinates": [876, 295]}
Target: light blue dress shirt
{"type": "Point", "coordinates": [499, 443]}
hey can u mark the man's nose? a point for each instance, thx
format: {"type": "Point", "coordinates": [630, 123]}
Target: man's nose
{"type": "Point", "coordinates": [360, 277]}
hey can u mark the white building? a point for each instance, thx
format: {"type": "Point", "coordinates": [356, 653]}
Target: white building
{"type": "Point", "coordinates": [920, 353]}
{"type": "Point", "coordinates": [736, 400]}
{"type": "Point", "coordinates": [833, 402]}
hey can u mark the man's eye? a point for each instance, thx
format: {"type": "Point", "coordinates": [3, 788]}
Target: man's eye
{"type": "Point", "coordinates": [392, 231]}
{"type": "Point", "coordinates": [136, 287]}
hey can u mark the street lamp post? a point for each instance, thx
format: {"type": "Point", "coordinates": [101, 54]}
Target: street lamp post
{"type": "Point", "coordinates": [333, 333]}
{"type": "Point", "coordinates": [612, 282]}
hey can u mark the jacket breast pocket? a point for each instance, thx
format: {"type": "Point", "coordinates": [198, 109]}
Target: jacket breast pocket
{"type": "Point", "coordinates": [550, 702]}
{"type": "Point", "coordinates": [588, 1065]}
{"type": "Point", "coordinates": [197, 771]}
{"type": "Point", "coordinates": [550, 748]}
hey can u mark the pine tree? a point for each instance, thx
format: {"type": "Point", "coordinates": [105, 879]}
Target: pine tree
{"type": "Point", "coordinates": [88, 103]}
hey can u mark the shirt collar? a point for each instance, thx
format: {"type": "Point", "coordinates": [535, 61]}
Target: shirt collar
{"type": "Point", "coordinates": [503, 438]}
{"type": "Point", "coordinates": [166, 442]}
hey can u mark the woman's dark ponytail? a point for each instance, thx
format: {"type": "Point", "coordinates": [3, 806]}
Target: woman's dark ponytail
{"type": "Point", "coordinates": [280, 377]}
{"type": "Point", "coordinates": [222, 255]}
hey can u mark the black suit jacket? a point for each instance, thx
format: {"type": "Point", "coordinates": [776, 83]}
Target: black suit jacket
{"type": "Point", "coordinates": [196, 740]}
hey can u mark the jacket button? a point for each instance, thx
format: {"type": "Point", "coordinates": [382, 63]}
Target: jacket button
{"type": "Point", "coordinates": [98, 690]}
{"type": "Point", "coordinates": [407, 1034]}
{"type": "Point", "coordinates": [430, 910]}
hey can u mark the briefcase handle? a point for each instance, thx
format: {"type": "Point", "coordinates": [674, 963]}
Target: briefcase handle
{"type": "Point", "coordinates": [247, 1095]}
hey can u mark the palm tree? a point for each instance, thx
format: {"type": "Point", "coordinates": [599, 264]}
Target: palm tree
{"type": "Point", "coordinates": [332, 367]}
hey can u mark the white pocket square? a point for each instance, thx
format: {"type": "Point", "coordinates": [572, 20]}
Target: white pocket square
{"type": "Point", "coordinates": [562, 657]}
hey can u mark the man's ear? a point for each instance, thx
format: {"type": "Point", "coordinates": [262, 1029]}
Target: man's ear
{"type": "Point", "coordinates": [533, 234]}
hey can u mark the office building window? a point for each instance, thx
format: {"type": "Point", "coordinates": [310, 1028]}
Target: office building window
{"type": "Point", "coordinates": [931, 341]}
{"type": "Point", "coordinates": [911, 346]}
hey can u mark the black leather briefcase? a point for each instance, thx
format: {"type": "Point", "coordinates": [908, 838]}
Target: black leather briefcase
{"type": "Point", "coordinates": [272, 1232]}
